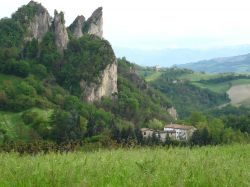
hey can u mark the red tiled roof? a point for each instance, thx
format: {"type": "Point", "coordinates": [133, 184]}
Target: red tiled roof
{"type": "Point", "coordinates": [177, 126]}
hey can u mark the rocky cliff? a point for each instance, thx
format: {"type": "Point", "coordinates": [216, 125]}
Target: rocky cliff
{"type": "Point", "coordinates": [107, 86]}
{"type": "Point", "coordinates": [94, 24]}
{"type": "Point", "coordinates": [61, 34]}
{"type": "Point", "coordinates": [77, 26]}
{"type": "Point", "coordinates": [39, 24]}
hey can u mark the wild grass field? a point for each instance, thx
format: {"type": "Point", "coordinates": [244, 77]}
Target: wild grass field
{"type": "Point", "coordinates": [206, 166]}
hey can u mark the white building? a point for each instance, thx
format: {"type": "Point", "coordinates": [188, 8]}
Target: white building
{"type": "Point", "coordinates": [182, 132]}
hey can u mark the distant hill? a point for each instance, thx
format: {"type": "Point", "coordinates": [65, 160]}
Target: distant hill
{"type": "Point", "coordinates": [197, 91]}
{"type": "Point", "coordinates": [168, 57]}
{"type": "Point", "coordinates": [238, 64]}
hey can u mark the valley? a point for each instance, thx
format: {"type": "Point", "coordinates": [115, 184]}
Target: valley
{"type": "Point", "coordinates": [235, 85]}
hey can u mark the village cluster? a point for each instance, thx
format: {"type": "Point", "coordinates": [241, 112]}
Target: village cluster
{"type": "Point", "coordinates": [171, 131]}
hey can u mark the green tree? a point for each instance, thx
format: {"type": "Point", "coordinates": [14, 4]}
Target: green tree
{"type": "Point", "coordinates": [67, 126]}
{"type": "Point", "coordinates": [155, 124]}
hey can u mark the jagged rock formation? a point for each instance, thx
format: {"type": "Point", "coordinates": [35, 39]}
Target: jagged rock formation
{"type": "Point", "coordinates": [77, 26]}
{"type": "Point", "coordinates": [61, 34]}
{"type": "Point", "coordinates": [107, 87]}
{"type": "Point", "coordinates": [94, 23]}
{"type": "Point", "coordinates": [40, 23]}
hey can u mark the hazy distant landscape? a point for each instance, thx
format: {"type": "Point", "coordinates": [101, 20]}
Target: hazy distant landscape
{"type": "Point", "coordinates": [170, 57]}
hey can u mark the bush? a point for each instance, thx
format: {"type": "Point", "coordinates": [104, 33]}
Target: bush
{"type": "Point", "coordinates": [18, 68]}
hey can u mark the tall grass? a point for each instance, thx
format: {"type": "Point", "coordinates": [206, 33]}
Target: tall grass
{"type": "Point", "coordinates": [207, 166]}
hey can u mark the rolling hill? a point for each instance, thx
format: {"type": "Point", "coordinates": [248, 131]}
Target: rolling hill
{"type": "Point", "coordinates": [196, 91]}
{"type": "Point", "coordinates": [239, 63]}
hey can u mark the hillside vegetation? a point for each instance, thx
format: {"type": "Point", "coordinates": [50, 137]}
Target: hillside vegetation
{"type": "Point", "coordinates": [41, 94]}
{"type": "Point", "coordinates": [217, 85]}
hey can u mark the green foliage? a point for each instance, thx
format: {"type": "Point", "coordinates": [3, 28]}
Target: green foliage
{"type": "Point", "coordinates": [8, 53]}
{"type": "Point", "coordinates": [39, 70]}
{"type": "Point", "coordinates": [11, 33]}
{"type": "Point", "coordinates": [155, 124]}
{"type": "Point", "coordinates": [39, 124]}
{"type": "Point", "coordinates": [216, 131]}
{"type": "Point", "coordinates": [31, 49]}
{"type": "Point", "coordinates": [27, 12]}
{"type": "Point", "coordinates": [186, 97]}
{"type": "Point", "coordinates": [19, 94]}
{"type": "Point", "coordinates": [13, 67]}
{"type": "Point", "coordinates": [240, 122]}
{"type": "Point", "coordinates": [49, 56]}
{"type": "Point", "coordinates": [67, 126]}
{"type": "Point", "coordinates": [86, 58]}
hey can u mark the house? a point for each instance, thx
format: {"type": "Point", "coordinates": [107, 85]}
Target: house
{"type": "Point", "coordinates": [180, 132]}
{"type": "Point", "coordinates": [146, 132]}
{"type": "Point", "coordinates": [162, 135]}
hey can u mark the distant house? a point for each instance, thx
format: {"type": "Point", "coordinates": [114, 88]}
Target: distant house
{"type": "Point", "coordinates": [180, 132]}
{"type": "Point", "coordinates": [162, 135]}
{"type": "Point", "coordinates": [171, 131]}
{"type": "Point", "coordinates": [146, 132]}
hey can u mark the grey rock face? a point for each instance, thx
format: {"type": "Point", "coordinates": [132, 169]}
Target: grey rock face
{"type": "Point", "coordinates": [40, 24]}
{"type": "Point", "coordinates": [94, 24]}
{"type": "Point", "coordinates": [77, 26]}
{"type": "Point", "coordinates": [107, 87]}
{"type": "Point", "coordinates": [173, 113]}
{"type": "Point", "coordinates": [61, 34]}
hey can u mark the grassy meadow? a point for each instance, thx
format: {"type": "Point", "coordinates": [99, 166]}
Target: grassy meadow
{"type": "Point", "coordinates": [206, 166]}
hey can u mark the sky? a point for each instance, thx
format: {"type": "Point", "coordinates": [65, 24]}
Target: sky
{"type": "Point", "coordinates": [152, 25]}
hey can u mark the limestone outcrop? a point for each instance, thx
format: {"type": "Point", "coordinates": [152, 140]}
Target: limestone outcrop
{"type": "Point", "coordinates": [61, 34]}
{"type": "Point", "coordinates": [107, 86]}
{"type": "Point", "coordinates": [40, 23]}
{"type": "Point", "coordinates": [94, 24]}
{"type": "Point", "coordinates": [77, 26]}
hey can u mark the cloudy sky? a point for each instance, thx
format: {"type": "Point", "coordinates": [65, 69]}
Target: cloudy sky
{"type": "Point", "coordinates": [160, 24]}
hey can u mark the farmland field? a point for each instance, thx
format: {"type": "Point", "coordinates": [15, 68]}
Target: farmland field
{"type": "Point", "coordinates": [239, 94]}
{"type": "Point", "coordinates": [206, 166]}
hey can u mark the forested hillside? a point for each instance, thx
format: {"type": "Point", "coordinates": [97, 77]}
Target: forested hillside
{"type": "Point", "coordinates": [43, 89]}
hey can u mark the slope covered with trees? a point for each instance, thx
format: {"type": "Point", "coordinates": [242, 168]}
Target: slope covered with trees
{"type": "Point", "coordinates": [40, 90]}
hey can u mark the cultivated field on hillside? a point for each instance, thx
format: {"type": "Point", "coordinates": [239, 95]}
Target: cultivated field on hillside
{"type": "Point", "coordinates": [206, 166]}
{"type": "Point", "coordinates": [239, 94]}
